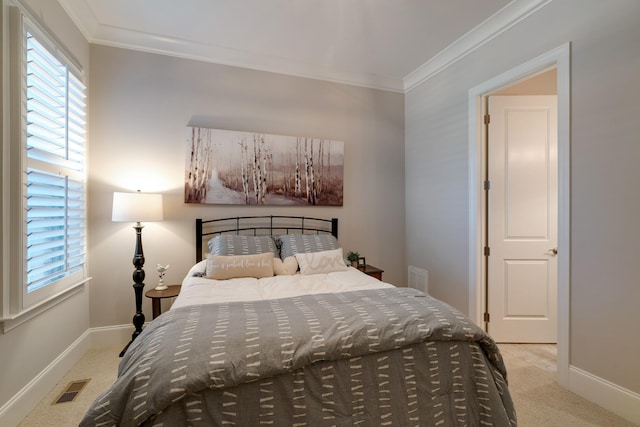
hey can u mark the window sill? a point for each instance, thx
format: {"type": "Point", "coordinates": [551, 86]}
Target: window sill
{"type": "Point", "coordinates": [12, 321]}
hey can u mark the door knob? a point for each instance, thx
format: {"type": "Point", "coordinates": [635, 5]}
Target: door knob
{"type": "Point", "coordinates": [553, 251]}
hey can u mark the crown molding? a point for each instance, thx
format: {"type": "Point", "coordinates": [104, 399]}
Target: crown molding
{"type": "Point", "coordinates": [97, 33]}
{"type": "Point", "coordinates": [82, 15]}
{"type": "Point", "coordinates": [94, 32]}
{"type": "Point", "coordinates": [187, 49]}
{"type": "Point", "coordinates": [493, 26]}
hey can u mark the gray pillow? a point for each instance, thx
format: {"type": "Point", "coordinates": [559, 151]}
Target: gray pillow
{"type": "Point", "coordinates": [291, 244]}
{"type": "Point", "coordinates": [231, 244]}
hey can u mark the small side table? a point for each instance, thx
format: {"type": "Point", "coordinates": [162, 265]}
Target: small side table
{"type": "Point", "coordinates": [372, 271]}
{"type": "Point", "coordinates": [157, 296]}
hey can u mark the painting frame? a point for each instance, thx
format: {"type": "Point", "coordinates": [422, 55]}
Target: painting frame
{"type": "Point", "coordinates": [228, 167]}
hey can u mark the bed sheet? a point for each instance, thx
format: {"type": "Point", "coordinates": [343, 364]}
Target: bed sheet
{"type": "Point", "coordinates": [200, 290]}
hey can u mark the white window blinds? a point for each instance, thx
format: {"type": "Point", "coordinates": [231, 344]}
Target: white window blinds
{"type": "Point", "coordinates": [55, 174]}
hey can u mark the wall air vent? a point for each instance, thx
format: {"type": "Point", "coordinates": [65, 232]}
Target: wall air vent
{"type": "Point", "coordinates": [419, 279]}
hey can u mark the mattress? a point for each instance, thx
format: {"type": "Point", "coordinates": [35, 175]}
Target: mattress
{"type": "Point", "coordinates": [196, 289]}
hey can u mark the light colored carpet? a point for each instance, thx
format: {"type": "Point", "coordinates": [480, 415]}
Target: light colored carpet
{"type": "Point", "coordinates": [101, 366]}
{"type": "Point", "coordinates": [538, 398]}
{"type": "Point", "coordinates": [539, 401]}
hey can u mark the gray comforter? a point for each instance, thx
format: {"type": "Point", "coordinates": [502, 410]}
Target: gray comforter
{"type": "Point", "coordinates": [372, 358]}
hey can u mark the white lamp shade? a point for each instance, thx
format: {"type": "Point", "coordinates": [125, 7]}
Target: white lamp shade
{"type": "Point", "coordinates": [137, 207]}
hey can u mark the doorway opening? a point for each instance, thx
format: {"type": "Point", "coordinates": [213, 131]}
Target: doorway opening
{"type": "Point", "coordinates": [558, 60]}
{"type": "Point", "coordinates": [520, 216]}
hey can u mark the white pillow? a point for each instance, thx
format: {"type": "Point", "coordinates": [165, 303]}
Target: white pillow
{"type": "Point", "coordinates": [198, 269]}
{"type": "Point", "coordinates": [287, 267]}
{"type": "Point", "coordinates": [321, 262]}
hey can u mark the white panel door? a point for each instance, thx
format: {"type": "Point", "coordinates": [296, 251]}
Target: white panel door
{"type": "Point", "coordinates": [522, 212]}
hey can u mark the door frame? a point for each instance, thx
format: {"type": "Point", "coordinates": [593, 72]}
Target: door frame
{"type": "Point", "coordinates": [560, 58]}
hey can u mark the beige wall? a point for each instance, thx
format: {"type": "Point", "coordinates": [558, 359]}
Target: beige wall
{"type": "Point", "coordinates": [140, 106]}
{"type": "Point", "coordinates": [31, 347]}
{"type": "Point", "coordinates": [605, 237]}
{"type": "Point", "coordinates": [541, 84]}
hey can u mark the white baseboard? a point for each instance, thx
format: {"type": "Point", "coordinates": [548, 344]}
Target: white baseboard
{"type": "Point", "coordinates": [110, 336]}
{"type": "Point", "coordinates": [21, 404]}
{"type": "Point", "coordinates": [610, 396]}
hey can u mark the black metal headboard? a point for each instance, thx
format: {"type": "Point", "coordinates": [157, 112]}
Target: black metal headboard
{"type": "Point", "coordinates": [267, 225]}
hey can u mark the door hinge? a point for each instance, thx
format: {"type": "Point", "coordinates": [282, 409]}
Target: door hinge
{"type": "Point", "coordinates": [487, 119]}
{"type": "Point", "coordinates": [487, 251]}
{"type": "Point", "coordinates": [487, 185]}
{"type": "Point", "coordinates": [486, 317]}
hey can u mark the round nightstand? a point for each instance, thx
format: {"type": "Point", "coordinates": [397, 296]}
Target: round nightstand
{"type": "Point", "coordinates": [172, 291]}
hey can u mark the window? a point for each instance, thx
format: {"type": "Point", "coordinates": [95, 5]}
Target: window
{"type": "Point", "coordinates": [54, 176]}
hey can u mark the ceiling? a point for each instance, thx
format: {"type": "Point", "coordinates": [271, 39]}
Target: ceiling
{"type": "Point", "coordinates": [386, 44]}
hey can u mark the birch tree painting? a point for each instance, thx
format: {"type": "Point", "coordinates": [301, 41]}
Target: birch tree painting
{"type": "Point", "coordinates": [231, 167]}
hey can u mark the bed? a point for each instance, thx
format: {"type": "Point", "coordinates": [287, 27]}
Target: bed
{"type": "Point", "coordinates": [271, 327]}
